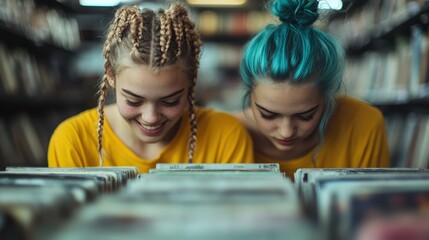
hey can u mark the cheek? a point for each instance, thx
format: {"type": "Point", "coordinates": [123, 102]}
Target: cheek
{"type": "Point", "coordinates": [265, 126]}
{"type": "Point", "coordinates": [173, 112]}
{"type": "Point", "coordinates": [127, 111]}
{"type": "Point", "coordinates": [124, 109]}
{"type": "Point", "coordinates": [305, 128]}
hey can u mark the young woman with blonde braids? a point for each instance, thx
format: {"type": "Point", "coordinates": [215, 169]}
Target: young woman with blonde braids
{"type": "Point", "coordinates": [151, 63]}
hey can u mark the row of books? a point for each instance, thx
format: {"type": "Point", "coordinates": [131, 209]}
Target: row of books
{"type": "Point", "coordinates": [214, 201]}
{"type": "Point", "coordinates": [398, 75]}
{"type": "Point", "coordinates": [22, 73]}
{"type": "Point", "coordinates": [374, 18]}
{"type": "Point", "coordinates": [39, 23]}
{"type": "Point", "coordinates": [408, 136]}
{"type": "Point", "coordinates": [222, 56]}
{"type": "Point", "coordinates": [232, 23]}
{"type": "Point", "coordinates": [218, 81]}
{"type": "Point", "coordinates": [24, 137]}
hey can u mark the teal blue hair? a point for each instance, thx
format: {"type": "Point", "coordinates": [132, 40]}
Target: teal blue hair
{"type": "Point", "coordinates": [295, 52]}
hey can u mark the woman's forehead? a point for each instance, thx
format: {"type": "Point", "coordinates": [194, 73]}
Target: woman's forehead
{"type": "Point", "coordinates": [276, 96]}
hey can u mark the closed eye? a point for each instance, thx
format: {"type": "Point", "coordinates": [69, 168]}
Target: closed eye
{"type": "Point", "coordinates": [170, 100]}
{"type": "Point", "coordinates": [171, 103]}
{"type": "Point", "coordinates": [133, 103]}
{"type": "Point", "coordinates": [306, 117]}
{"type": "Point", "coordinates": [268, 116]}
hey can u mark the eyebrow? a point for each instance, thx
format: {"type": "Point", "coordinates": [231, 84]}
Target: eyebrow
{"type": "Point", "coordinates": [301, 113]}
{"type": "Point", "coordinates": [165, 97]}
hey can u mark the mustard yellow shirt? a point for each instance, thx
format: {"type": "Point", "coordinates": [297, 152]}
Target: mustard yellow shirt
{"type": "Point", "coordinates": [355, 137]}
{"type": "Point", "coordinates": [221, 138]}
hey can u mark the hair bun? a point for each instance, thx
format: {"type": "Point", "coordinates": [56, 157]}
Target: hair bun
{"type": "Point", "coordinates": [301, 12]}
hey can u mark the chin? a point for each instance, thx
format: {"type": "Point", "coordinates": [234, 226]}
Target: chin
{"type": "Point", "coordinates": [150, 138]}
{"type": "Point", "coordinates": [282, 147]}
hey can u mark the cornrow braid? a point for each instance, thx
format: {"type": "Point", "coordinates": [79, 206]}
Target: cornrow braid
{"type": "Point", "coordinates": [196, 44]}
{"type": "Point", "coordinates": [116, 31]}
{"type": "Point", "coordinates": [177, 22]}
{"type": "Point", "coordinates": [101, 102]}
{"type": "Point", "coordinates": [136, 30]}
{"type": "Point", "coordinates": [121, 24]}
{"type": "Point", "coordinates": [156, 39]}
{"type": "Point", "coordinates": [193, 123]}
{"type": "Point", "coordinates": [165, 22]}
{"type": "Point", "coordinates": [102, 93]}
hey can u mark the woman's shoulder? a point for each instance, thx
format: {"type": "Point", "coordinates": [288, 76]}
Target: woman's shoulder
{"type": "Point", "coordinates": [246, 118]}
{"type": "Point", "coordinates": [357, 108]}
{"type": "Point", "coordinates": [84, 119]}
{"type": "Point", "coordinates": [211, 114]}
{"type": "Point", "coordinates": [355, 112]}
{"type": "Point", "coordinates": [217, 120]}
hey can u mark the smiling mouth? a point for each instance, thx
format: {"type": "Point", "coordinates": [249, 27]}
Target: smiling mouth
{"type": "Point", "coordinates": [151, 129]}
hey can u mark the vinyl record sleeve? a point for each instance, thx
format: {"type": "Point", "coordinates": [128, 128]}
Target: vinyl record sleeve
{"type": "Point", "coordinates": [31, 210]}
{"type": "Point", "coordinates": [305, 179]}
{"type": "Point", "coordinates": [213, 187]}
{"type": "Point", "coordinates": [272, 167]}
{"type": "Point", "coordinates": [104, 182]}
{"type": "Point", "coordinates": [137, 216]}
{"type": "Point", "coordinates": [335, 198]}
{"type": "Point", "coordinates": [124, 173]}
{"type": "Point", "coordinates": [83, 189]}
{"type": "Point", "coordinates": [404, 226]}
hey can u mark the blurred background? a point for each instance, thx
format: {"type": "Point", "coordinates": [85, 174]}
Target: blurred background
{"type": "Point", "coordinates": [51, 61]}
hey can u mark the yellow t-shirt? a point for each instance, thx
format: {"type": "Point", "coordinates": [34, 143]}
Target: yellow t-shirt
{"type": "Point", "coordinates": [355, 137]}
{"type": "Point", "coordinates": [220, 139]}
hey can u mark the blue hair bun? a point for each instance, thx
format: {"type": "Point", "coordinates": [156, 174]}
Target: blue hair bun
{"type": "Point", "coordinates": [296, 12]}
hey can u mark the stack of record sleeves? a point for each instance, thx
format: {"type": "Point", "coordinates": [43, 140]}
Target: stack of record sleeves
{"type": "Point", "coordinates": [34, 201]}
{"type": "Point", "coordinates": [196, 201]}
{"type": "Point", "coordinates": [367, 203]}
{"type": "Point", "coordinates": [213, 201]}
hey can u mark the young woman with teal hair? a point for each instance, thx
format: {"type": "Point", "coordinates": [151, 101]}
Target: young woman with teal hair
{"type": "Point", "coordinates": [293, 110]}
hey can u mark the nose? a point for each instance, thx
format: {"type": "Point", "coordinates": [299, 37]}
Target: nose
{"type": "Point", "coordinates": [150, 114]}
{"type": "Point", "coordinates": [286, 128]}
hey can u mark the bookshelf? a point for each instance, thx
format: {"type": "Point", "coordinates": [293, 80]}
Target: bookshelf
{"type": "Point", "coordinates": [37, 90]}
{"type": "Point", "coordinates": [387, 47]}
{"type": "Point", "coordinates": [224, 33]}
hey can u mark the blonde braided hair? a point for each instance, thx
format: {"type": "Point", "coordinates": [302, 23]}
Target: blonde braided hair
{"type": "Point", "coordinates": [156, 39]}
